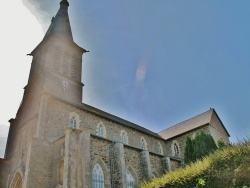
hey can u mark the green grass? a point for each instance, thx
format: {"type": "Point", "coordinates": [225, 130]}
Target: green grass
{"type": "Point", "coordinates": [225, 168]}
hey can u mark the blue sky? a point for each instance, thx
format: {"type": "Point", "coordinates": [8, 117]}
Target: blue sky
{"type": "Point", "coordinates": [154, 63]}
{"type": "Point", "coordinates": [157, 63]}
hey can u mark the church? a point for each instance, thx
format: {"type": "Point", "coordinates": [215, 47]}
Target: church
{"type": "Point", "coordinates": [56, 141]}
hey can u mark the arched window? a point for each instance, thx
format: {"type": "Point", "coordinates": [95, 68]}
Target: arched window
{"type": "Point", "coordinates": [101, 131]}
{"type": "Point", "coordinates": [143, 144]}
{"type": "Point", "coordinates": [97, 177]}
{"type": "Point", "coordinates": [159, 148]}
{"type": "Point", "coordinates": [73, 122]}
{"type": "Point", "coordinates": [176, 149]}
{"type": "Point", "coordinates": [124, 137]}
{"type": "Point", "coordinates": [17, 181]}
{"type": "Point", "coordinates": [130, 181]}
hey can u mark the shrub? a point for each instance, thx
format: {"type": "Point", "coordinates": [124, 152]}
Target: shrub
{"type": "Point", "coordinates": [202, 145]}
{"type": "Point", "coordinates": [228, 167]}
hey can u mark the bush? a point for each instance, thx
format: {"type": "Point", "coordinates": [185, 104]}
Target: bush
{"type": "Point", "coordinates": [202, 145]}
{"type": "Point", "coordinates": [228, 167]}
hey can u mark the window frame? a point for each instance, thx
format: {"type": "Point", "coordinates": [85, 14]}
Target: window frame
{"type": "Point", "coordinates": [98, 180]}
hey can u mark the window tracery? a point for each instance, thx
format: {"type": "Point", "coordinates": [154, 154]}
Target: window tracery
{"type": "Point", "coordinates": [97, 176]}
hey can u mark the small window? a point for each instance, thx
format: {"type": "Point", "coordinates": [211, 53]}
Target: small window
{"type": "Point", "coordinates": [97, 177]}
{"type": "Point", "coordinates": [143, 144]}
{"type": "Point", "coordinates": [73, 122]}
{"type": "Point", "coordinates": [124, 137]}
{"type": "Point", "coordinates": [130, 181]}
{"type": "Point", "coordinates": [176, 149]}
{"type": "Point", "coordinates": [159, 149]}
{"type": "Point", "coordinates": [101, 131]}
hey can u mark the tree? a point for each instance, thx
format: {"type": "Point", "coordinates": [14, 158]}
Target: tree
{"type": "Point", "coordinates": [199, 147]}
{"type": "Point", "coordinates": [189, 151]}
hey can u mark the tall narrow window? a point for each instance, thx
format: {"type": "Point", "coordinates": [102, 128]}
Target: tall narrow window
{"type": "Point", "coordinates": [97, 177]}
{"type": "Point", "coordinates": [101, 131]}
{"type": "Point", "coordinates": [66, 63]}
{"type": "Point", "coordinates": [130, 182]}
{"type": "Point", "coordinates": [159, 148]}
{"type": "Point", "coordinates": [176, 149]}
{"type": "Point", "coordinates": [57, 58]}
{"type": "Point", "coordinates": [73, 122]}
{"type": "Point", "coordinates": [124, 138]}
{"type": "Point", "coordinates": [73, 66]}
{"type": "Point", "coordinates": [143, 144]}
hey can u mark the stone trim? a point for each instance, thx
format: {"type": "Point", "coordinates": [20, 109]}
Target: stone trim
{"type": "Point", "coordinates": [104, 129]}
{"type": "Point", "coordinates": [71, 114]}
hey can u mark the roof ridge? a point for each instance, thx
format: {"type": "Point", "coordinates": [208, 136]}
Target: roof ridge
{"type": "Point", "coordinates": [211, 109]}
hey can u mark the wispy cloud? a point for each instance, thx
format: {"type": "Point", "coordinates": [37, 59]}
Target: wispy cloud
{"type": "Point", "coordinates": [43, 10]}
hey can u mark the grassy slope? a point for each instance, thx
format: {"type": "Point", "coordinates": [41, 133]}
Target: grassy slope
{"type": "Point", "coordinates": [226, 168]}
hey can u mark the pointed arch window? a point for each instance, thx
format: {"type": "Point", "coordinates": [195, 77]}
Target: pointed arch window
{"type": "Point", "coordinates": [73, 122]}
{"type": "Point", "coordinates": [176, 149]}
{"type": "Point", "coordinates": [97, 177]}
{"type": "Point", "coordinates": [124, 137]}
{"type": "Point", "coordinates": [143, 144]}
{"type": "Point", "coordinates": [159, 148]}
{"type": "Point", "coordinates": [101, 131]}
{"type": "Point", "coordinates": [130, 181]}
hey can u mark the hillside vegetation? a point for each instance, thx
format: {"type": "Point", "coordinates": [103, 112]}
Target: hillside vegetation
{"type": "Point", "coordinates": [228, 167]}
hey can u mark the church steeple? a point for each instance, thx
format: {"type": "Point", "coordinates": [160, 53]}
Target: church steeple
{"type": "Point", "coordinates": [59, 28]}
{"type": "Point", "coordinates": [64, 2]}
{"type": "Point", "coordinates": [57, 60]}
{"type": "Point", "coordinates": [60, 24]}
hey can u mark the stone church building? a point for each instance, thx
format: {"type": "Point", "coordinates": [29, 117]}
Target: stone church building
{"type": "Point", "coordinates": [56, 140]}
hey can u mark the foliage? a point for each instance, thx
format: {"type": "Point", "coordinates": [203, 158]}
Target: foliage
{"type": "Point", "coordinates": [199, 147]}
{"type": "Point", "coordinates": [228, 167]}
{"type": "Point", "coordinates": [220, 144]}
{"type": "Point", "coordinates": [189, 151]}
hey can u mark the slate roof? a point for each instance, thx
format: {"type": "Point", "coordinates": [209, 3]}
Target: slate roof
{"type": "Point", "coordinates": [111, 117]}
{"type": "Point", "coordinates": [119, 120]}
{"type": "Point", "coordinates": [190, 124]}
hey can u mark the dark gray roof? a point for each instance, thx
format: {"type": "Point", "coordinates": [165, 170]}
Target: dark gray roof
{"type": "Point", "coordinates": [190, 124]}
{"type": "Point", "coordinates": [111, 117]}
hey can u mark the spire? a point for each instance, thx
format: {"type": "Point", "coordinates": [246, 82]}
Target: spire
{"type": "Point", "coordinates": [60, 25]}
{"type": "Point", "coordinates": [59, 28]}
{"type": "Point", "coordinates": [64, 2]}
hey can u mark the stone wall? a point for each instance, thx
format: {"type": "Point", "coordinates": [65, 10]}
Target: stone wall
{"type": "Point", "coordinates": [134, 163]}
{"type": "Point", "coordinates": [17, 147]}
{"type": "Point", "coordinates": [156, 163]}
{"type": "Point", "coordinates": [181, 140]}
{"type": "Point", "coordinates": [4, 166]}
{"type": "Point", "coordinates": [100, 153]}
{"type": "Point", "coordinates": [217, 131]}
{"type": "Point", "coordinates": [59, 151]}
{"type": "Point", "coordinates": [58, 119]}
{"type": "Point", "coordinates": [175, 164]}
{"type": "Point", "coordinates": [40, 164]}
{"type": "Point", "coordinates": [19, 137]}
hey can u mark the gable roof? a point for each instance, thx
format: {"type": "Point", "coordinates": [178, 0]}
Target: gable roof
{"type": "Point", "coordinates": [190, 124]}
{"type": "Point", "coordinates": [110, 117]}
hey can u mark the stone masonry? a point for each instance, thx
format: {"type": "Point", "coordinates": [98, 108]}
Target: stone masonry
{"type": "Point", "coordinates": [57, 141]}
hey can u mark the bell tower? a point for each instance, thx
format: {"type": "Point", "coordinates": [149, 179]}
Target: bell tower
{"type": "Point", "coordinates": [57, 61]}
